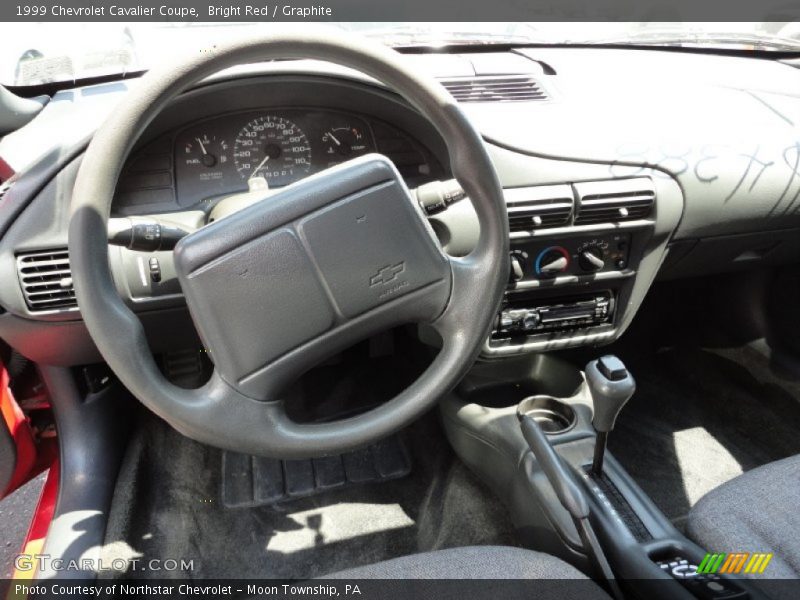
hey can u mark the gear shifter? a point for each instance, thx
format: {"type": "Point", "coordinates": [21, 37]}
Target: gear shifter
{"type": "Point", "coordinates": [611, 386]}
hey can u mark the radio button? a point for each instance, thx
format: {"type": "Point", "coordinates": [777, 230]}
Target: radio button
{"type": "Point", "coordinates": [531, 321]}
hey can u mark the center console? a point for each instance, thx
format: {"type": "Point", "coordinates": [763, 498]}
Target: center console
{"type": "Point", "coordinates": [583, 255]}
{"type": "Point", "coordinates": [577, 253]}
{"type": "Point", "coordinates": [648, 556]}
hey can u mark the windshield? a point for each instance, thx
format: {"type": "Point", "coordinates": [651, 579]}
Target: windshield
{"type": "Point", "coordinates": [36, 53]}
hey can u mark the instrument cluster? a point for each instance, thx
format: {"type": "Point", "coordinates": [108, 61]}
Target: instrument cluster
{"type": "Point", "coordinates": [220, 156]}
{"type": "Point", "coordinates": [197, 164]}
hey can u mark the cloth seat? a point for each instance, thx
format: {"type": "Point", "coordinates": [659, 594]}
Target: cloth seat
{"type": "Point", "coordinates": [562, 581]}
{"type": "Point", "coordinates": [758, 511]}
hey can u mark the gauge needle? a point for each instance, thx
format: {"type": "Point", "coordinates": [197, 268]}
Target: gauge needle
{"type": "Point", "coordinates": [202, 147]}
{"type": "Point", "coordinates": [261, 164]}
{"type": "Point", "coordinates": [333, 137]}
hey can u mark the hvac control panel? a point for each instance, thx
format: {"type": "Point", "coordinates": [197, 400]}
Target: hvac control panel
{"type": "Point", "coordinates": [547, 259]}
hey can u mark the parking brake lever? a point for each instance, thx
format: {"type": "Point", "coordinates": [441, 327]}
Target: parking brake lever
{"type": "Point", "coordinates": [569, 494]}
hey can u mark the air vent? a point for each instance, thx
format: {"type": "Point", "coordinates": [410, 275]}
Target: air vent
{"type": "Point", "coordinates": [615, 200]}
{"type": "Point", "coordinates": [538, 207]}
{"type": "Point", "coordinates": [46, 280]}
{"type": "Point", "coordinates": [501, 88]}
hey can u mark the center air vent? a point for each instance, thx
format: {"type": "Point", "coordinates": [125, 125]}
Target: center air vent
{"type": "Point", "coordinates": [538, 207]}
{"type": "Point", "coordinates": [495, 88]}
{"type": "Point", "coordinates": [46, 280]}
{"type": "Point", "coordinates": [614, 200]}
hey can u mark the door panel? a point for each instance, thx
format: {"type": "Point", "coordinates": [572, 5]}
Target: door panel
{"type": "Point", "coordinates": [17, 446]}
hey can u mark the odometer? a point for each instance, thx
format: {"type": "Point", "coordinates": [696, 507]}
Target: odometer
{"type": "Point", "coordinates": [274, 148]}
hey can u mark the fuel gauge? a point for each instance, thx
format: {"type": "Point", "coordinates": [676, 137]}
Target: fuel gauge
{"type": "Point", "coordinates": [205, 152]}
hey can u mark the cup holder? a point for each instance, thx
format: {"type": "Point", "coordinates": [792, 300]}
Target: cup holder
{"type": "Point", "coordinates": [552, 415]}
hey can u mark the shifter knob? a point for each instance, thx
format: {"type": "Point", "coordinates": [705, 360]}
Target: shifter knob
{"type": "Point", "coordinates": [611, 386]}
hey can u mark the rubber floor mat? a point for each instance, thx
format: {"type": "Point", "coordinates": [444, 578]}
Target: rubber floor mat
{"type": "Point", "coordinates": [249, 481]}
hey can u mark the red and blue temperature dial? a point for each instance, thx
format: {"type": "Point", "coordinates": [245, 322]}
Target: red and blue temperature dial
{"type": "Point", "coordinates": [551, 261]}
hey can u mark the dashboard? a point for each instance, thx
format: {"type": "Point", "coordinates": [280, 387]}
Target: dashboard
{"type": "Point", "coordinates": [690, 192]}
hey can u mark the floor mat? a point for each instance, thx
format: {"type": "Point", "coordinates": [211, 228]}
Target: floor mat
{"type": "Point", "coordinates": [249, 481]}
{"type": "Point", "coordinates": [167, 506]}
{"type": "Point", "coordinates": [699, 418]}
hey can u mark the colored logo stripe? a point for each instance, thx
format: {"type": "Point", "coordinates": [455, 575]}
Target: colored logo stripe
{"type": "Point", "coordinates": [710, 563]}
{"type": "Point", "coordinates": [758, 563]}
{"type": "Point", "coordinates": [735, 562]}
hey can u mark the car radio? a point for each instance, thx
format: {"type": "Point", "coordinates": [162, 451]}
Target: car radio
{"type": "Point", "coordinates": [574, 312]}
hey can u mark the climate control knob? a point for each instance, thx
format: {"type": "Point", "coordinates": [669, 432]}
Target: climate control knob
{"type": "Point", "coordinates": [591, 258]}
{"type": "Point", "coordinates": [517, 268]}
{"type": "Point", "coordinates": [552, 261]}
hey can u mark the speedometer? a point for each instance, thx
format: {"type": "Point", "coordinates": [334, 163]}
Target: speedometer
{"type": "Point", "coordinates": [274, 148]}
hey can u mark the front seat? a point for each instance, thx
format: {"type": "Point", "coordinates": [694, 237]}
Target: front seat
{"type": "Point", "coordinates": [563, 581]}
{"type": "Point", "coordinates": [755, 512]}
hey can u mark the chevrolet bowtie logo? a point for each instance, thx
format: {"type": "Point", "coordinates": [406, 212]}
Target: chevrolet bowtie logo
{"type": "Point", "coordinates": [387, 274]}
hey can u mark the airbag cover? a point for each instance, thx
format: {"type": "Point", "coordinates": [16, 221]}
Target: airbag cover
{"type": "Point", "coordinates": [316, 257]}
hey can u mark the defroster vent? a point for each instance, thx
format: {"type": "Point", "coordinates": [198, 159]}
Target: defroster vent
{"type": "Point", "coordinates": [495, 88]}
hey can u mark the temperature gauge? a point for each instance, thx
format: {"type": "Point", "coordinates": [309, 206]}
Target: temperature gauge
{"type": "Point", "coordinates": [343, 143]}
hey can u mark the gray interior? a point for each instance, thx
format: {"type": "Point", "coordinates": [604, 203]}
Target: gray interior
{"type": "Point", "coordinates": [625, 213]}
{"type": "Point", "coordinates": [302, 538]}
{"type": "Point", "coordinates": [460, 308]}
{"type": "Point", "coordinates": [694, 408]}
{"type": "Point", "coordinates": [744, 527]}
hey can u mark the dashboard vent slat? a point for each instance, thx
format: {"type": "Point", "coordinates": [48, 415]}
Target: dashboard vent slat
{"type": "Point", "coordinates": [616, 200]}
{"type": "Point", "coordinates": [538, 207]}
{"type": "Point", "coordinates": [510, 88]}
{"type": "Point", "coordinates": [46, 280]}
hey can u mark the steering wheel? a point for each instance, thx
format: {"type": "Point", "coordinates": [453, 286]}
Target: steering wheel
{"type": "Point", "coordinates": [281, 285]}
